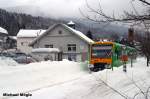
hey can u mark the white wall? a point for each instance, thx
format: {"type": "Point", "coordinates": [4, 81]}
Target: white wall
{"type": "Point", "coordinates": [25, 47]}
{"type": "Point", "coordinates": [61, 40]}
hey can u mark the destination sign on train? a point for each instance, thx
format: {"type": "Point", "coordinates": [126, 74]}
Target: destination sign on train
{"type": "Point", "coordinates": [102, 47]}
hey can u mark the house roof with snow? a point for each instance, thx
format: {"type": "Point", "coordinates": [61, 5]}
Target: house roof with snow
{"type": "Point", "coordinates": [13, 37]}
{"type": "Point", "coordinates": [30, 33]}
{"type": "Point", "coordinates": [71, 23]}
{"type": "Point", "coordinates": [45, 50]}
{"type": "Point", "coordinates": [2, 30]}
{"type": "Point", "coordinates": [78, 33]}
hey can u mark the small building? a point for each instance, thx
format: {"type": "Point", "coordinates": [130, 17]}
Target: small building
{"type": "Point", "coordinates": [44, 54]}
{"type": "Point", "coordinates": [72, 44]}
{"type": "Point", "coordinates": [25, 37]}
{"type": "Point", "coordinates": [3, 38]}
{"type": "Point", "coordinates": [71, 24]}
{"type": "Point", "coordinates": [12, 40]}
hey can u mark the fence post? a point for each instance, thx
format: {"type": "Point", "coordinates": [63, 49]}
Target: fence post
{"type": "Point", "coordinates": [124, 67]}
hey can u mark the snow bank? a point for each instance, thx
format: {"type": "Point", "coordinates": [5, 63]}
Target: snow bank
{"type": "Point", "coordinates": [35, 76]}
{"type": "Point", "coordinates": [90, 86]}
{"type": "Point", "coordinates": [5, 61]}
{"type": "Point", "coordinates": [67, 80]}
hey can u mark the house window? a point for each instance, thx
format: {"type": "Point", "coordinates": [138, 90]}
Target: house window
{"type": "Point", "coordinates": [49, 46]}
{"type": "Point", "coordinates": [72, 47]}
{"type": "Point", "coordinates": [24, 43]}
{"type": "Point", "coordinates": [59, 32]}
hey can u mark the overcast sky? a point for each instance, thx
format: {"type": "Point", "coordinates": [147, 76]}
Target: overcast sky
{"type": "Point", "coordinates": [69, 7]}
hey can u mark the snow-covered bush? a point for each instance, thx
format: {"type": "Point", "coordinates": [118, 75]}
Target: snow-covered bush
{"type": "Point", "coordinates": [5, 61]}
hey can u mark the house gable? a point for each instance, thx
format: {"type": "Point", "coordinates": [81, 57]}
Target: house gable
{"type": "Point", "coordinates": [72, 43]}
{"type": "Point", "coordinates": [59, 31]}
{"type": "Point", "coordinates": [62, 30]}
{"type": "Point", "coordinates": [61, 40]}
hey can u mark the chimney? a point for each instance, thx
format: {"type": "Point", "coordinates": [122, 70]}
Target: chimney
{"type": "Point", "coordinates": [71, 24]}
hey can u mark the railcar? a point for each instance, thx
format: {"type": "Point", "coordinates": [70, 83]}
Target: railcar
{"type": "Point", "coordinates": [107, 55]}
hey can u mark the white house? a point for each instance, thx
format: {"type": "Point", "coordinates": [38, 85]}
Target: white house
{"type": "Point", "coordinates": [3, 38]}
{"type": "Point", "coordinates": [73, 44]}
{"type": "Point", "coordinates": [25, 37]}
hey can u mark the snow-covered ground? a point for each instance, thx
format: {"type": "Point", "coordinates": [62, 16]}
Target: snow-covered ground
{"type": "Point", "coordinates": [71, 80]}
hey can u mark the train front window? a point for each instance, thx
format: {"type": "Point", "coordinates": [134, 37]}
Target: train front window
{"type": "Point", "coordinates": [101, 51]}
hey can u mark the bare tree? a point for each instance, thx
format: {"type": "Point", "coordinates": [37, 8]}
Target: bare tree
{"type": "Point", "coordinates": [144, 40]}
{"type": "Point", "coordinates": [133, 17]}
{"type": "Point", "coordinates": [101, 16]}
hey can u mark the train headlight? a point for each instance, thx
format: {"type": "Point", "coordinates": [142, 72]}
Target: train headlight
{"type": "Point", "coordinates": [90, 65]}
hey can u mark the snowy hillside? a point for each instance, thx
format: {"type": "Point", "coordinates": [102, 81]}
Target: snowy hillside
{"type": "Point", "coordinates": [28, 9]}
{"type": "Point", "coordinates": [71, 80]}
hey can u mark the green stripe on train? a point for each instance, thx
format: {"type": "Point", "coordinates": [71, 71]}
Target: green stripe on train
{"type": "Point", "coordinates": [117, 51]}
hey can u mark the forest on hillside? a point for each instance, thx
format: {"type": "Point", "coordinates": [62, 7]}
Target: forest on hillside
{"type": "Point", "coordinates": [12, 22]}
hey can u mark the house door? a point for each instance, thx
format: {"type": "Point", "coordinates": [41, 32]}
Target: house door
{"type": "Point", "coordinates": [60, 56]}
{"type": "Point", "coordinates": [72, 57]}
